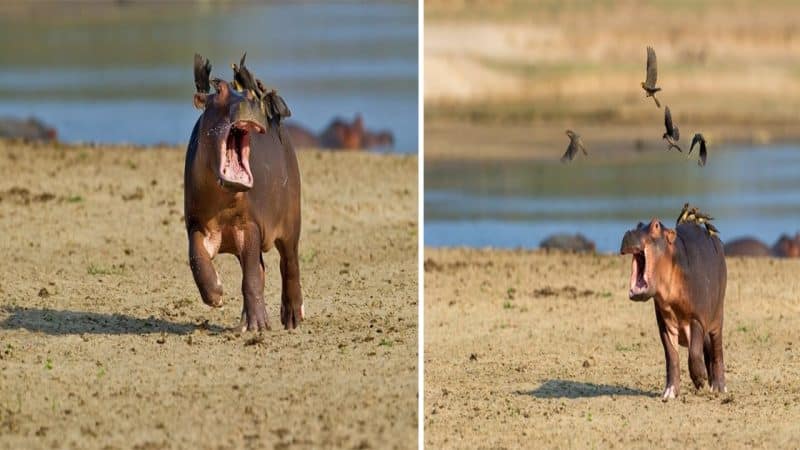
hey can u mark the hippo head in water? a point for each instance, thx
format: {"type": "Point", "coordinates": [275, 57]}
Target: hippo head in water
{"type": "Point", "coordinates": [231, 115]}
{"type": "Point", "coordinates": [652, 248]}
{"type": "Point", "coordinates": [787, 246]}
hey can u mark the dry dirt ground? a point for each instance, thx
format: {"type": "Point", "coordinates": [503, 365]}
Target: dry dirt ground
{"type": "Point", "coordinates": [105, 343]}
{"type": "Point", "coordinates": [536, 350]}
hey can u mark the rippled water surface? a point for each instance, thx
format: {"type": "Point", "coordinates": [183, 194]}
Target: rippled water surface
{"type": "Point", "coordinates": [749, 191]}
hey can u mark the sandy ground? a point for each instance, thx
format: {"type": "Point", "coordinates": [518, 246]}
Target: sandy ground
{"type": "Point", "coordinates": [727, 69]}
{"type": "Point", "coordinates": [105, 342]}
{"type": "Point", "coordinates": [536, 350]}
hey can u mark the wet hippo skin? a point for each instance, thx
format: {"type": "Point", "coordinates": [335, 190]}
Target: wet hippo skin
{"type": "Point", "coordinates": [683, 270]}
{"type": "Point", "coordinates": [242, 192]}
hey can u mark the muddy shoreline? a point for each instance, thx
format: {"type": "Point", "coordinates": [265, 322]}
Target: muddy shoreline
{"type": "Point", "coordinates": [106, 343]}
{"type": "Point", "coordinates": [526, 346]}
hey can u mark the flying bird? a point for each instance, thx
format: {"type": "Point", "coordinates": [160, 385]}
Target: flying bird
{"type": "Point", "coordinates": [575, 143]}
{"type": "Point", "coordinates": [698, 138]}
{"type": "Point", "coordinates": [672, 134]}
{"type": "Point", "coordinates": [649, 85]}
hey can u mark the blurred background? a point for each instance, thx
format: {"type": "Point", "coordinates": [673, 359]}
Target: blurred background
{"type": "Point", "coordinates": [504, 79]}
{"type": "Point", "coordinates": [121, 71]}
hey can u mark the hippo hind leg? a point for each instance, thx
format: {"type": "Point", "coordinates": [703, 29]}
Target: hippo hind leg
{"type": "Point", "coordinates": [717, 363]}
{"type": "Point", "coordinates": [697, 366]}
{"type": "Point", "coordinates": [254, 312]}
{"type": "Point", "coordinates": [707, 356]}
{"type": "Point", "coordinates": [291, 295]}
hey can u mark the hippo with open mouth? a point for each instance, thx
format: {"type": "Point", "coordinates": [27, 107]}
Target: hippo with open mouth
{"type": "Point", "coordinates": [242, 192]}
{"type": "Point", "coordinates": [683, 271]}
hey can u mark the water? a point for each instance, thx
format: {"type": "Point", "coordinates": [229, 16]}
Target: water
{"type": "Point", "coordinates": [126, 77]}
{"type": "Point", "coordinates": [749, 191]}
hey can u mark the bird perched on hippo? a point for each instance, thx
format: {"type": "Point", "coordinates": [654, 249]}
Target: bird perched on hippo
{"type": "Point", "coordinates": [683, 270]}
{"type": "Point", "coordinates": [242, 192]}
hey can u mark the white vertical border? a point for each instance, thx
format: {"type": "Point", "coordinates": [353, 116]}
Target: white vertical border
{"type": "Point", "coordinates": [421, 226]}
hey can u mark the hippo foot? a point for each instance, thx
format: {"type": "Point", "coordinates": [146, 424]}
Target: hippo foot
{"type": "Point", "coordinates": [255, 320]}
{"type": "Point", "coordinates": [669, 392]}
{"type": "Point", "coordinates": [719, 387]}
{"type": "Point", "coordinates": [213, 297]}
{"type": "Point", "coordinates": [291, 316]}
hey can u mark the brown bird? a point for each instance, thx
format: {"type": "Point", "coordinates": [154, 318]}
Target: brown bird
{"type": "Point", "coordinates": [649, 85]}
{"type": "Point", "coordinates": [575, 143]}
{"type": "Point", "coordinates": [683, 215]}
{"type": "Point", "coordinates": [698, 138]}
{"type": "Point", "coordinates": [673, 134]}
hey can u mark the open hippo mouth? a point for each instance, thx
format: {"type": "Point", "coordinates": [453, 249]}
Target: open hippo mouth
{"type": "Point", "coordinates": [234, 166]}
{"type": "Point", "coordinates": [640, 272]}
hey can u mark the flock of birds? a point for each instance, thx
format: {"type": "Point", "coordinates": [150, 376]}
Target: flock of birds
{"type": "Point", "coordinates": [671, 135]}
{"type": "Point", "coordinates": [690, 214]}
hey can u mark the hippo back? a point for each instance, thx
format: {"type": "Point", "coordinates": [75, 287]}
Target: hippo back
{"type": "Point", "coordinates": [702, 258]}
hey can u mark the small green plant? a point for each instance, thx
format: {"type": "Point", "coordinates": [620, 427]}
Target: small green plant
{"type": "Point", "coordinates": [101, 372]}
{"type": "Point", "coordinates": [48, 364]}
{"type": "Point", "coordinates": [508, 305]}
{"type": "Point", "coordinates": [74, 199]}
{"type": "Point", "coordinates": [307, 257]}
{"type": "Point", "coordinates": [386, 342]}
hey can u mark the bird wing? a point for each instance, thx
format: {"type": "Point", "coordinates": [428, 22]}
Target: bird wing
{"type": "Point", "coordinates": [668, 121]}
{"type": "Point", "coordinates": [202, 70]}
{"type": "Point", "coordinates": [582, 147]}
{"type": "Point", "coordinates": [676, 133]}
{"type": "Point", "coordinates": [697, 138]}
{"type": "Point", "coordinates": [652, 69]}
{"type": "Point", "coordinates": [703, 153]}
{"type": "Point", "coordinates": [572, 150]}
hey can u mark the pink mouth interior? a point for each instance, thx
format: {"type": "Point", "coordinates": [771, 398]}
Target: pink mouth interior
{"type": "Point", "coordinates": [235, 155]}
{"type": "Point", "coordinates": [639, 283]}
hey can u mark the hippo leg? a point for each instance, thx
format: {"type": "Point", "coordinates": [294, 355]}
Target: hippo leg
{"type": "Point", "coordinates": [697, 368]}
{"type": "Point", "coordinates": [291, 294]}
{"type": "Point", "coordinates": [717, 363]}
{"type": "Point", "coordinates": [254, 313]}
{"type": "Point", "coordinates": [707, 357]}
{"type": "Point", "coordinates": [669, 339]}
{"type": "Point", "coordinates": [203, 271]}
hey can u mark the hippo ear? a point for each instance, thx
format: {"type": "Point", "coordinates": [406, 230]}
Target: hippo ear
{"type": "Point", "coordinates": [670, 235]}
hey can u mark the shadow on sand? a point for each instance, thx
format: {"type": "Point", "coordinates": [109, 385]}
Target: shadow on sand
{"type": "Point", "coordinates": [577, 389]}
{"type": "Point", "coordinates": [51, 321]}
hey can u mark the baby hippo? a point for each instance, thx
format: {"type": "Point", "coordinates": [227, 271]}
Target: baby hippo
{"type": "Point", "coordinates": [242, 192]}
{"type": "Point", "coordinates": [683, 270]}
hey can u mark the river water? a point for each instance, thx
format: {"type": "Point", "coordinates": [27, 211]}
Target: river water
{"type": "Point", "coordinates": [749, 191]}
{"type": "Point", "coordinates": [125, 76]}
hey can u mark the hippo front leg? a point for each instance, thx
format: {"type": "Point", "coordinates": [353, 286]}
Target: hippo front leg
{"type": "Point", "coordinates": [254, 312]}
{"type": "Point", "coordinates": [203, 271]}
{"type": "Point", "coordinates": [669, 339]}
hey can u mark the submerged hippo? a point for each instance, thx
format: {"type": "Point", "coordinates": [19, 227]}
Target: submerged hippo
{"type": "Point", "coordinates": [747, 246]}
{"type": "Point", "coordinates": [30, 129]}
{"type": "Point", "coordinates": [785, 247]}
{"type": "Point", "coordinates": [344, 135]}
{"type": "Point", "coordinates": [577, 243]}
{"type": "Point", "coordinates": [242, 192]}
{"type": "Point", "coordinates": [683, 271]}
